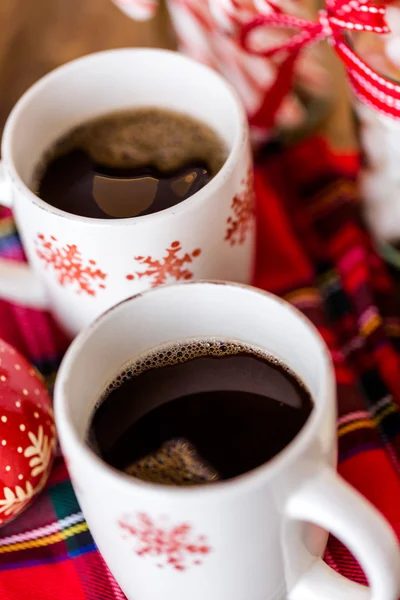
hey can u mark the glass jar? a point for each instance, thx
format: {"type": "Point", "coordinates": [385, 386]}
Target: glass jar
{"type": "Point", "coordinates": [380, 142]}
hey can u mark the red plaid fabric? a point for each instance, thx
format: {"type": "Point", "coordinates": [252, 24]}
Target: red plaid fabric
{"type": "Point", "coordinates": [312, 249]}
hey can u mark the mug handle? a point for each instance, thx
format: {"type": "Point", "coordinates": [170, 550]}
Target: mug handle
{"type": "Point", "coordinates": [329, 502]}
{"type": "Point", "coordinates": [18, 283]}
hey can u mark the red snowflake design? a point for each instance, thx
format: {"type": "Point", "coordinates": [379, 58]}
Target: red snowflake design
{"type": "Point", "coordinates": [242, 211]}
{"type": "Point", "coordinates": [173, 546]}
{"type": "Point", "coordinates": [170, 267]}
{"type": "Point", "coordinates": [67, 263]}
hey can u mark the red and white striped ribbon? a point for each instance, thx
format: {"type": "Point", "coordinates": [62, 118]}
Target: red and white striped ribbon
{"type": "Point", "coordinates": [340, 16]}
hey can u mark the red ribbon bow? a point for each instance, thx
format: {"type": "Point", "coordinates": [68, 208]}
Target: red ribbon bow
{"type": "Point", "coordinates": [381, 93]}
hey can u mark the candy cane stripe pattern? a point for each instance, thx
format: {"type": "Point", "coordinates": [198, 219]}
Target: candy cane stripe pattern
{"type": "Point", "coordinates": [378, 92]}
{"type": "Point", "coordinates": [208, 31]}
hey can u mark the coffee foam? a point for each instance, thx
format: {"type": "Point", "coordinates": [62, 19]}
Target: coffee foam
{"type": "Point", "coordinates": [172, 354]}
{"type": "Point", "coordinates": [177, 461]}
{"type": "Point", "coordinates": [165, 139]}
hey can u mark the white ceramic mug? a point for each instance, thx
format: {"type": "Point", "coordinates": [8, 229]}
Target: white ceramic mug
{"type": "Point", "coordinates": [82, 266]}
{"type": "Point", "coordinates": [259, 536]}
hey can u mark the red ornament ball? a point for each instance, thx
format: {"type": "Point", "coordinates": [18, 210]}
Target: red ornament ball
{"type": "Point", "coordinates": [27, 433]}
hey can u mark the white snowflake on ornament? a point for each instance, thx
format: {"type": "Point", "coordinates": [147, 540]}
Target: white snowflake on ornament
{"type": "Point", "coordinates": [27, 433]}
{"type": "Point", "coordinates": [16, 500]}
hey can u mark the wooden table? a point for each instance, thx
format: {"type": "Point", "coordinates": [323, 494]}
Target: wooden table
{"type": "Point", "coordinates": [38, 35]}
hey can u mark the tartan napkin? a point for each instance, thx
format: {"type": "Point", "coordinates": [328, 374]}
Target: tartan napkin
{"type": "Point", "coordinates": [313, 250]}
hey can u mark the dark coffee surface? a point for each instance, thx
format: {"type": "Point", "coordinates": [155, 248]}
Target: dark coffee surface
{"type": "Point", "coordinates": [130, 163]}
{"type": "Point", "coordinates": [198, 412]}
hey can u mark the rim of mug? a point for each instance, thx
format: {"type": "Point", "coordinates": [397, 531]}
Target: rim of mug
{"type": "Point", "coordinates": [241, 138]}
{"type": "Point", "coordinates": [252, 478]}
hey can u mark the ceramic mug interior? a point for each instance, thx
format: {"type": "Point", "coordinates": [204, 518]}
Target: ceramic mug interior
{"type": "Point", "coordinates": [175, 313]}
{"type": "Point", "coordinates": [110, 81]}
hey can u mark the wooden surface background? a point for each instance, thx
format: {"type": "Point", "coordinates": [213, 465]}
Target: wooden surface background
{"type": "Point", "coordinates": [38, 35]}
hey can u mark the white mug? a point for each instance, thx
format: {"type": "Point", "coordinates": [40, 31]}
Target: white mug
{"type": "Point", "coordinates": [81, 266]}
{"type": "Point", "coordinates": [259, 536]}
